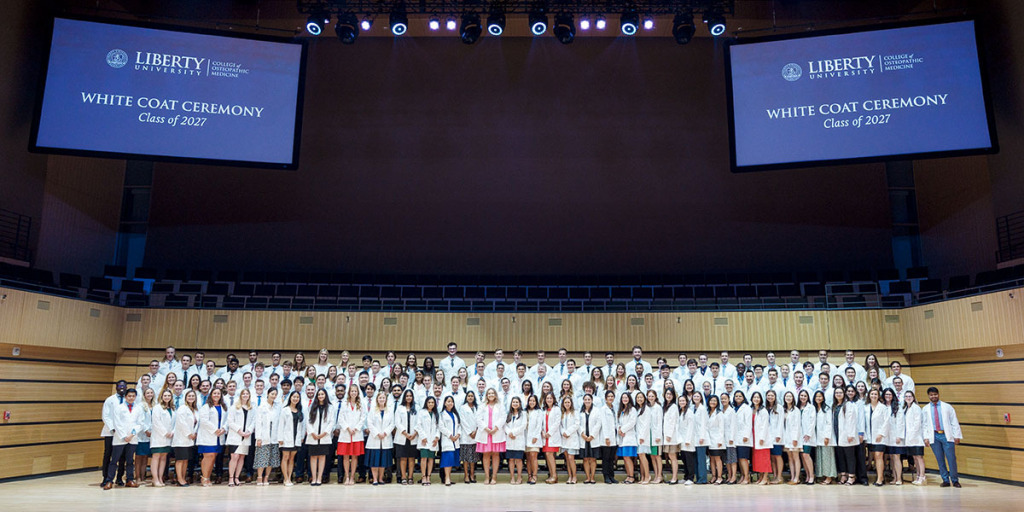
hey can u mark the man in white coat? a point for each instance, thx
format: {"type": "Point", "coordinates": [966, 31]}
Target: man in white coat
{"type": "Point", "coordinates": [942, 432]}
{"type": "Point", "coordinates": [451, 364]}
{"type": "Point", "coordinates": [107, 433]}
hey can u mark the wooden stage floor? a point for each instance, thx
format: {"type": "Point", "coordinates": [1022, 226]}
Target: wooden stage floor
{"type": "Point", "coordinates": [81, 492]}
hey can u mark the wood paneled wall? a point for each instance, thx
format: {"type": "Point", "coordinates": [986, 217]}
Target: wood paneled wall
{"type": "Point", "coordinates": [988, 320]}
{"type": "Point", "coordinates": [655, 332]}
{"type": "Point", "coordinates": [54, 396]}
{"type": "Point", "coordinates": [44, 320]}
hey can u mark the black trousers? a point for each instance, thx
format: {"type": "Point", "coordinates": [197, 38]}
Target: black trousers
{"type": "Point", "coordinates": [250, 458]}
{"type": "Point", "coordinates": [334, 461]}
{"type": "Point", "coordinates": [302, 462]}
{"type": "Point", "coordinates": [126, 453]}
{"type": "Point", "coordinates": [845, 459]}
{"type": "Point", "coordinates": [608, 460]}
{"type": "Point", "coordinates": [689, 465]}
{"type": "Point", "coordinates": [108, 451]}
{"type": "Point", "coordinates": [860, 456]}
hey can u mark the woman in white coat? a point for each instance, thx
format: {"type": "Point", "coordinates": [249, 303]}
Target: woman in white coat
{"type": "Point", "coordinates": [670, 441]}
{"type": "Point", "coordinates": [490, 439]}
{"type": "Point", "coordinates": [777, 427]}
{"type": "Point", "coordinates": [761, 459]}
{"type": "Point", "coordinates": [743, 434]}
{"type": "Point", "coordinates": [625, 430]}
{"type": "Point", "coordinates": [728, 427]}
{"type": "Point", "coordinates": [569, 429]}
{"type": "Point", "coordinates": [350, 438]}
{"type": "Point", "coordinates": [147, 401]}
{"type": "Point", "coordinates": [716, 439]}
{"type": "Point", "coordinates": [213, 423]}
{"type": "Point", "coordinates": [449, 425]}
{"type": "Point", "coordinates": [911, 418]}
{"type": "Point", "coordinates": [380, 423]}
{"type": "Point", "coordinates": [186, 428]}
{"type": "Point", "coordinates": [127, 423]}
{"type": "Point", "coordinates": [808, 424]}
{"type": "Point", "coordinates": [791, 438]}
{"type": "Point", "coordinates": [241, 425]}
{"type": "Point", "coordinates": [700, 436]}
{"type": "Point", "coordinates": [429, 437]}
{"type": "Point", "coordinates": [161, 435]}
{"type": "Point", "coordinates": [591, 421]}
{"type": "Point", "coordinates": [291, 431]}
{"type": "Point", "coordinates": [824, 439]}
{"type": "Point", "coordinates": [684, 435]}
{"type": "Point", "coordinates": [467, 438]}
{"type": "Point", "coordinates": [319, 435]}
{"type": "Point", "coordinates": [845, 418]}
{"type": "Point", "coordinates": [877, 432]}
{"type": "Point", "coordinates": [656, 434]}
{"type": "Point", "coordinates": [267, 454]}
{"type": "Point", "coordinates": [644, 436]}
{"type": "Point", "coordinates": [609, 446]}
{"type": "Point", "coordinates": [405, 436]}
{"type": "Point", "coordinates": [550, 431]}
{"type": "Point", "coordinates": [534, 436]}
{"type": "Point", "coordinates": [516, 425]}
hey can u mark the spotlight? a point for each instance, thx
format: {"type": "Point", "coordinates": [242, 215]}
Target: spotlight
{"type": "Point", "coordinates": [398, 22]}
{"type": "Point", "coordinates": [629, 23]}
{"type": "Point", "coordinates": [315, 23]}
{"type": "Point", "coordinates": [366, 24]}
{"type": "Point", "coordinates": [450, 23]}
{"type": "Point", "coordinates": [585, 23]}
{"type": "Point", "coordinates": [715, 22]}
{"type": "Point", "coordinates": [496, 22]}
{"type": "Point", "coordinates": [470, 30]}
{"type": "Point", "coordinates": [434, 23]}
{"type": "Point", "coordinates": [565, 30]}
{"type": "Point", "coordinates": [347, 28]}
{"type": "Point", "coordinates": [683, 27]}
{"type": "Point", "coordinates": [648, 23]}
{"type": "Point", "coordinates": [601, 23]}
{"type": "Point", "coordinates": [538, 22]}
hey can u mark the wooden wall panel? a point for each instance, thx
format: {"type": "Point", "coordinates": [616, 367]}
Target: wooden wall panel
{"type": "Point", "coordinates": [955, 325]}
{"type": "Point", "coordinates": [160, 328]}
{"type": "Point", "coordinates": [32, 413]}
{"type": "Point", "coordinates": [985, 462]}
{"type": "Point", "coordinates": [977, 372]}
{"type": "Point", "coordinates": [67, 323]}
{"type": "Point", "coordinates": [30, 434]}
{"type": "Point", "coordinates": [38, 460]}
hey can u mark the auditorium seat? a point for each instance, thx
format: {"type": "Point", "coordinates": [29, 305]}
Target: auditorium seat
{"type": "Point", "coordinates": [475, 293]}
{"type": "Point", "coordinates": [305, 290]}
{"type": "Point", "coordinates": [257, 302]}
{"type": "Point", "coordinates": [452, 293]}
{"type": "Point", "coordinates": [190, 288]}
{"type": "Point", "coordinates": [275, 278]}
{"type": "Point", "coordinates": [303, 303]}
{"type": "Point", "coordinates": [219, 289]}
{"type": "Point", "coordinates": [146, 273]}
{"type": "Point", "coordinates": [433, 292]}
{"type": "Point", "coordinates": [134, 300]}
{"type": "Point", "coordinates": [857, 276]}
{"type": "Point", "coordinates": [243, 289]}
{"type": "Point", "coordinates": [889, 274]}
{"type": "Point", "coordinates": [899, 288]}
{"type": "Point", "coordinates": [263, 290]}
{"type": "Point", "coordinates": [704, 293]}
{"type": "Point", "coordinates": [163, 287]}
{"type": "Point", "coordinates": [600, 293]}
{"type": "Point", "coordinates": [175, 275]}
{"type": "Point", "coordinates": [279, 303]}
{"type": "Point", "coordinates": [70, 281]}
{"type": "Point", "coordinates": [916, 273]}
{"type": "Point", "coordinates": [210, 301]}
{"type": "Point", "coordinates": [177, 301]}
{"type": "Point", "coordinates": [327, 291]}
{"type": "Point", "coordinates": [746, 292]}
{"type": "Point", "coordinates": [766, 290]}
{"type": "Point", "coordinates": [116, 271]}
{"type": "Point", "coordinates": [661, 293]}
{"type": "Point", "coordinates": [133, 287]}
{"type": "Point", "coordinates": [250, 277]}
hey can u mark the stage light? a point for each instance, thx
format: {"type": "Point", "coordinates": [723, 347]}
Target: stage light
{"type": "Point", "coordinates": [648, 23]}
{"type": "Point", "coordinates": [347, 28]}
{"type": "Point", "coordinates": [450, 23]}
{"type": "Point", "coordinates": [398, 22]}
{"type": "Point", "coordinates": [565, 29]}
{"type": "Point", "coordinates": [600, 23]}
{"type": "Point", "coordinates": [585, 23]}
{"type": "Point", "coordinates": [366, 24]}
{"type": "Point", "coordinates": [715, 22]}
{"type": "Point", "coordinates": [683, 27]}
{"type": "Point", "coordinates": [315, 23]}
{"type": "Point", "coordinates": [629, 22]}
{"type": "Point", "coordinates": [470, 30]}
{"type": "Point", "coordinates": [434, 23]}
{"type": "Point", "coordinates": [496, 22]}
{"type": "Point", "coordinates": [538, 22]}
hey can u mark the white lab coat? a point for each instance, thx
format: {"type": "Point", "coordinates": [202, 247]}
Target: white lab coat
{"type": "Point", "coordinates": [426, 427]}
{"type": "Point", "coordinates": [405, 423]}
{"type": "Point", "coordinates": [497, 421]}
{"type": "Point", "coordinates": [518, 427]}
{"type": "Point", "coordinates": [878, 425]}
{"type": "Point", "coordinates": [670, 419]}
{"type": "Point", "coordinates": [776, 426]}
{"type": "Point", "coordinates": [147, 422]}
{"type": "Point", "coordinates": [186, 423]}
{"type": "Point", "coordinates": [107, 414]}
{"type": "Point", "coordinates": [594, 422]}
{"type": "Point", "coordinates": [467, 425]}
{"type": "Point", "coordinates": [700, 426]}
{"type": "Point", "coordinates": [728, 427]}
{"type": "Point", "coordinates": [685, 427]}
{"type": "Point", "coordinates": [162, 423]}
{"type": "Point", "coordinates": [716, 431]}
{"type": "Point", "coordinates": [849, 424]}
{"type": "Point", "coordinates": [626, 424]}
{"type": "Point", "coordinates": [210, 422]}
{"type": "Point", "coordinates": [351, 417]}
{"type": "Point", "coordinates": [378, 423]}
{"type": "Point", "coordinates": [808, 422]}
{"type": "Point", "coordinates": [912, 420]}
{"type": "Point", "coordinates": [238, 419]}
{"type": "Point", "coordinates": [762, 430]}
{"type": "Point", "coordinates": [569, 426]}
{"type": "Point", "coordinates": [743, 426]}
{"type": "Point", "coordinates": [823, 429]}
{"type": "Point", "coordinates": [791, 435]}
{"type": "Point", "coordinates": [449, 426]}
{"type": "Point", "coordinates": [289, 433]}
{"type": "Point", "coordinates": [551, 423]}
{"type": "Point", "coordinates": [324, 424]}
{"type": "Point", "coordinates": [128, 423]}
{"type": "Point", "coordinates": [266, 423]}
{"type": "Point", "coordinates": [950, 423]}
{"type": "Point", "coordinates": [608, 427]}
{"type": "Point", "coordinates": [535, 425]}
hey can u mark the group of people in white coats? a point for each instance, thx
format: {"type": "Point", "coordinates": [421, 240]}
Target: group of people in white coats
{"type": "Point", "coordinates": [831, 434]}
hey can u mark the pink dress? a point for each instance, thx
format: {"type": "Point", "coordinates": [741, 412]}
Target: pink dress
{"type": "Point", "coordinates": [490, 446]}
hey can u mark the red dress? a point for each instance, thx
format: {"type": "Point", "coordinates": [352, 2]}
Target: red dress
{"type": "Point", "coordinates": [762, 461]}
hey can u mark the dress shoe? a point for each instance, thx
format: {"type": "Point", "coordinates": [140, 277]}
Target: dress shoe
{"type": "Point", "coordinates": [108, 486]}
{"type": "Point", "coordinates": [944, 484]}
{"type": "Point", "coordinates": [132, 484]}
{"type": "Point", "coordinates": [956, 484]}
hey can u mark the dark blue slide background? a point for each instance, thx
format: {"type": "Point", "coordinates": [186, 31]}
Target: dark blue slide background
{"type": "Point", "coordinates": [949, 66]}
{"type": "Point", "coordinates": [78, 63]}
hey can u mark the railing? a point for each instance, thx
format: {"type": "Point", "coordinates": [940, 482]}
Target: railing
{"type": "Point", "coordinates": [15, 230]}
{"type": "Point", "coordinates": [1010, 232]}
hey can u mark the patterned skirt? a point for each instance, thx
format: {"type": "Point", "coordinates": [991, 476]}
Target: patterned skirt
{"type": "Point", "coordinates": [267, 456]}
{"type": "Point", "coordinates": [467, 453]}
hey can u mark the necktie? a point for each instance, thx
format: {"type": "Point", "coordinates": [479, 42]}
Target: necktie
{"type": "Point", "coordinates": [259, 401]}
{"type": "Point", "coordinates": [177, 402]}
{"type": "Point", "coordinates": [232, 400]}
{"type": "Point", "coordinates": [120, 399]}
{"type": "Point", "coordinates": [129, 407]}
{"type": "Point", "coordinates": [938, 419]}
{"type": "Point", "coordinates": [562, 369]}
